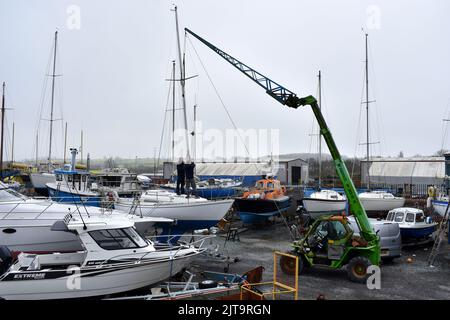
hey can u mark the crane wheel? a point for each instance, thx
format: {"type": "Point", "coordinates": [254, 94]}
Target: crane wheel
{"type": "Point", "coordinates": [357, 269]}
{"type": "Point", "coordinates": [288, 265]}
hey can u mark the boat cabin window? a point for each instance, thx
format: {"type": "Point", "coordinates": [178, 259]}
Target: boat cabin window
{"type": "Point", "coordinates": [399, 217]}
{"type": "Point", "coordinates": [420, 217]}
{"type": "Point", "coordinates": [260, 184]}
{"type": "Point", "coordinates": [390, 216]}
{"type": "Point", "coordinates": [116, 239]}
{"type": "Point", "coordinates": [270, 185]}
{"type": "Point", "coordinates": [59, 177]}
{"type": "Point", "coordinates": [409, 217]}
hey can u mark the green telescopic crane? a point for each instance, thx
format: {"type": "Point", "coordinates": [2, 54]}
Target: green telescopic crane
{"type": "Point", "coordinates": [290, 99]}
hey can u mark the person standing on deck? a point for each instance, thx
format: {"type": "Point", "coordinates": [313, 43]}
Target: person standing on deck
{"type": "Point", "coordinates": [190, 179]}
{"type": "Point", "coordinates": [181, 176]}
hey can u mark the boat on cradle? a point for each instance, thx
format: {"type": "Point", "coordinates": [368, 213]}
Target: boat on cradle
{"type": "Point", "coordinates": [118, 180]}
{"type": "Point", "coordinates": [114, 259]}
{"type": "Point", "coordinates": [212, 188]}
{"type": "Point", "coordinates": [380, 200]}
{"type": "Point", "coordinates": [267, 199]}
{"type": "Point", "coordinates": [324, 202]}
{"type": "Point", "coordinates": [25, 223]}
{"type": "Point", "coordinates": [440, 204]}
{"type": "Point", "coordinates": [412, 222]}
{"type": "Point", "coordinates": [73, 186]}
{"type": "Point", "coordinates": [189, 213]}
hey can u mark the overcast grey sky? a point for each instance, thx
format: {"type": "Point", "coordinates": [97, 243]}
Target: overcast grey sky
{"type": "Point", "coordinates": [115, 65]}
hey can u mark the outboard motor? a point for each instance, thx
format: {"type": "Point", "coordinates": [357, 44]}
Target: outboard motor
{"type": "Point", "coordinates": [5, 259]}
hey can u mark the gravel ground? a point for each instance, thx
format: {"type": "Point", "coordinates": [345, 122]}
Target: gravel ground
{"type": "Point", "coordinates": [400, 279]}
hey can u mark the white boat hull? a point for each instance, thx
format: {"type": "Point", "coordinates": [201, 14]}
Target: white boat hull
{"type": "Point", "coordinates": [91, 284]}
{"type": "Point", "coordinates": [195, 211]}
{"type": "Point", "coordinates": [374, 204]}
{"type": "Point", "coordinates": [319, 207]}
{"type": "Point", "coordinates": [40, 180]}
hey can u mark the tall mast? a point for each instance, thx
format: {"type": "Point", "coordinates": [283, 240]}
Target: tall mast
{"type": "Point", "coordinates": [65, 143]}
{"type": "Point", "coordinates": [367, 114]}
{"type": "Point", "coordinates": [81, 147]}
{"type": "Point", "coordinates": [12, 144]}
{"type": "Point", "coordinates": [194, 145]}
{"type": "Point", "coordinates": [173, 111]}
{"type": "Point", "coordinates": [37, 149]}
{"type": "Point", "coordinates": [2, 132]}
{"type": "Point", "coordinates": [182, 83]}
{"type": "Point", "coordinates": [320, 134]}
{"type": "Point", "coordinates": [52, 102]}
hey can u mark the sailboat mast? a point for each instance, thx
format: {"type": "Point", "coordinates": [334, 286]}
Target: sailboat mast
{"type": "Point", "coordinates": [52, 102]}
{"type": "Point", "coordinates": [37, 149]}
{"type": "Point", "coordinates": [194, 133]}
{"type": "Point", "coordinates": [173, 111]}
{"type": "Point", "coordinates": [367, 114]}
{"type": "Point", "coordinates": [3, 126]}
{"type": "Point", "coordinates": [12, 143]}
{"type": "Point", "coordinates": [81, 147]}
{"type": "Point", "coordinates": [65, 143]}
{"type": "Point", "coordinates": [182, 82]}
{"type": "Point", "coordinates": [320, 134]}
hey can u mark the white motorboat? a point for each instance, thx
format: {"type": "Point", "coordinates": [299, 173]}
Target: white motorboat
{"type": "Point", "coordinates": [189, 213]}
{"type": "Point", "coordinates": [324, 202]}
{"type": "Point", "coordinates": [25, 223]}
{"type": "Point", "coordinates": [114, 259]}
{"type": "Point", "coordinates": [39, 181]}
{"type": "Point", "coordinates": [380, 201]}
{"type": "Point", "coordinates": [412, 223]}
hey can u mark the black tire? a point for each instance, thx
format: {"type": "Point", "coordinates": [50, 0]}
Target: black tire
{"type": "Point", "coordinates": [288, 265]}
{"type": "Point", "coordinates": [357, 269]}
{"type": "Point", "coordinates": [205, 284]}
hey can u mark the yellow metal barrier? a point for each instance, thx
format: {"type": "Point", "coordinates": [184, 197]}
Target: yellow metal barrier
{"type": "Point", "coordinates": [255, 291]}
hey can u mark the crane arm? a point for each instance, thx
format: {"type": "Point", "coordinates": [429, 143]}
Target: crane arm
{"type": "Point", "coordinates": [290, 99]}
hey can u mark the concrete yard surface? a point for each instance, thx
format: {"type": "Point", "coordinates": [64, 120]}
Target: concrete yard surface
{"type": "Point", "coordinates": [400, 279]}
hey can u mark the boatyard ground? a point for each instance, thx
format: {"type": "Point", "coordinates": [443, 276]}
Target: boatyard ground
{"type": "Point", "coordinates": [400, 279]}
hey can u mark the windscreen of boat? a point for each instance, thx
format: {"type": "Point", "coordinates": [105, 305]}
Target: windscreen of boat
{"type": "Point", "coordinates": [116, 239]}
{"type": "Point", "coordinates": [11, 195]}
{"type": "Point", "coordinates": [399, 217]}
{"type": "Point", "coordinates": [409, 217]}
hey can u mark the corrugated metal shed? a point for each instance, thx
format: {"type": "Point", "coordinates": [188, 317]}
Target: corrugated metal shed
{"type": "Point", "coordinates": [233, 169]}
{"type": "Point", "coordinates": [429, 170]}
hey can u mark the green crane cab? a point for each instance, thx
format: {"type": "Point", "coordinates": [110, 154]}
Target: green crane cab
{"type": "Point", "coordinates": [329, 241]}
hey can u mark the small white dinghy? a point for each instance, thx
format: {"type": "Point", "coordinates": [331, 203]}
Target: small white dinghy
{"type": "Point", "coordinates": [380, 201]}
{"type": "Point", "coordinates": [324, 202]}
{"type": "Point", "coordinates": [115, 259]}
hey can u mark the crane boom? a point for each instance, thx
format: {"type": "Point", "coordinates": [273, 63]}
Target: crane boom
{"type": "Point", "coordinates": [290, 99]}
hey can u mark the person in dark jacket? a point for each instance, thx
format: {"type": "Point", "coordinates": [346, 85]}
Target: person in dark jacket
{"type": "Point", "coordinates": [181, 176]}
{"type": "Point", "coordinates": [190, 179]}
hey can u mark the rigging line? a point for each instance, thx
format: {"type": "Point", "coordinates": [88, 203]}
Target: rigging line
{"type": "Point", "coordinates": [379, 124]}
{"type": "Point", "coordinates": [222, 103]}
{"type": "Point", "coordinates": [444, 125]}
{"type": "Point", "coordinates": [358, 129]}
{"type": "Point", "coordinates": [164, 123]}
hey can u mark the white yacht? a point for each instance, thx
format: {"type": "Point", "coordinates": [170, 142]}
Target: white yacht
{"type": "Point", "coordinates": [324, 202]}
{"type": "Point", "coordinates": [114, 258]}
{"type": "Point", "coordinates": [25, 223]}
{"type": "Point", "coordinates": [380, 201]}
{"type": "Point", "coordinates": [189, 213]}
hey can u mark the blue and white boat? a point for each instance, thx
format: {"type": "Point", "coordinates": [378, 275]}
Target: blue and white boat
{"type": "Point", "coordinates": [412, 223]}
{"type": "Point", "coordinates": [73, 186]}
{"type": "Point", "coordinates": [267, 199]}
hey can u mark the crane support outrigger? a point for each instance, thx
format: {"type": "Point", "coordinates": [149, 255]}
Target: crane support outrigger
{"type": "Point", "coordinates": [329, 240]}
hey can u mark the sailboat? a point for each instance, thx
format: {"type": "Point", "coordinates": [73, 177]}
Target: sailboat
{"type": "Point", "coordinates": [323, 201]}
{"type": "Point", "coordinates": [375, 200]}
{"type": "Point", "coordinates": [190, 213]}
{"type": "Point", "coordinates": [40, 179]}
